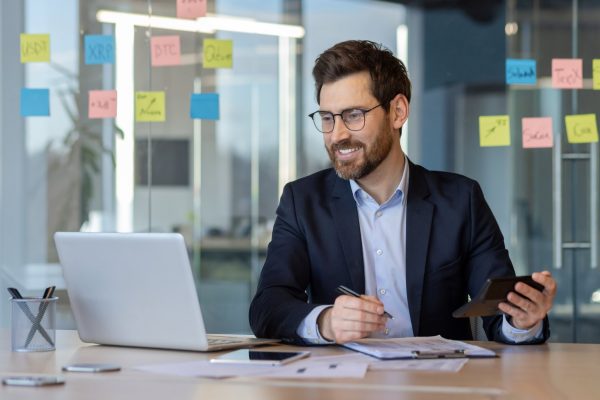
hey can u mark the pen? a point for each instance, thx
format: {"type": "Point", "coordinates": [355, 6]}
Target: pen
{"type": "Point", "coordinates": [347, 291]}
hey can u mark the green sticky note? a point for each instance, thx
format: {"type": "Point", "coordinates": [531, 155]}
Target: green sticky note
{"type": "Point", "coordinates": [581, 128]}
{"type": "Point", "coordinates": [150, 106]}
{"type": "Point", "coordinates": [494, 130]}
{"type": "Point", "coordinates": [596, 73]}
{"type": "Point", "coordinates": [217, 53]}
{"type": "Point", "coordinates": [35, 48]}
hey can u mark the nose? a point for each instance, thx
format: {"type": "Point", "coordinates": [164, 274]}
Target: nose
{"type": "Point", "coordinates": [340, 131]}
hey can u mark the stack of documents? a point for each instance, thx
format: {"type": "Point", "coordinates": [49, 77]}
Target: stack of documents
{"type": "Point", "coordinates": [418, 347]}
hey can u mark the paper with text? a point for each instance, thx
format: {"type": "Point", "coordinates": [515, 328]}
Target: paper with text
{"type": "Point", "coordinates": [581, 128]}
{"type": "Point", "coordinates": [494, 130]}
{"type": "Point", "coordinates": [99, 49]}
{"type": "Point", "coordinates": [596, 73]}
{"type": "Point", "coordinates": [191, 9]}
{"type": "Point", "coordinates": [521, 71]}
{"type": "Point", "coordinates": [567, 73]}
{"type": "Point", "coordinates": [537, 132]}
{"type": "Point", "coordinates": [102, 104]}
{"type": "Point", "coordinates": [150, 106]}
{"type": "Point", "coordinates": [217, 53]}
{"type": "Point", "coordinates": [35, 48]}
{"type": "Point", "coordinates": [166, 50]}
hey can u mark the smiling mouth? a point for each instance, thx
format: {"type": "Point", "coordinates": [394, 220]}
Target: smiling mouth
{"type": "Point", "coordinates": [348, 151]}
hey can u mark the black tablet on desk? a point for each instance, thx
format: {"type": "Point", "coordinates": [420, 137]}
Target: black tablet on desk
{"type": "Point", "coordinates": [493, 292]}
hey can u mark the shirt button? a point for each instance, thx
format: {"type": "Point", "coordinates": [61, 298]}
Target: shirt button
{"type": "Point", "coordinates": [387, 331]}
{"type": "Point", "coordinates": [378, 214]}
{"type": "Point", "coordinates": [379, 252]}
{"type": "Point", "coordinates": [382, 291]}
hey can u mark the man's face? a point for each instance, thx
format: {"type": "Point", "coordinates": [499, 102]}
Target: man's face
{"type": "Point", "coordinates": [355, 154]}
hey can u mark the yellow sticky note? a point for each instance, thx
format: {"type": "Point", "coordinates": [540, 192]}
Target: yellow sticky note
{"type": "Point", "coordinates": [217, 53]}
{"type": "Point", "coordinates": [596, 73]}
{"type": "Point", "coordinates": [581, 128]}
{"type": "Point", "coordinates": [35, 48]}
{"type": "Point", "coordinates": [149, 106]}
{"type": "Point", "coordinates": [494, 130]}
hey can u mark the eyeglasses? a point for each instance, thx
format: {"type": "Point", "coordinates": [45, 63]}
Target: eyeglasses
{"type": "Point", "coordinates": [354, 119]}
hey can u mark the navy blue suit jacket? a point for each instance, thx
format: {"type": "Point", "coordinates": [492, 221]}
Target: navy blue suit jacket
{"type": "Point", "coordinates": [453, 244]}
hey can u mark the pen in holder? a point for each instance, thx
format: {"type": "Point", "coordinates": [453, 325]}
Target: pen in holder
{"type": "Point", "coordinates": [33, 323]}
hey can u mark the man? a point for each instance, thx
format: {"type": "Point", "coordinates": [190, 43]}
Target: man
{"type": "Point", "coordinates": [416, 242]}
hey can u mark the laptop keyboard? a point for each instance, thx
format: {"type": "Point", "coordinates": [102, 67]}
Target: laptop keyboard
{"type": "Point", "coordinates": [218, 340]}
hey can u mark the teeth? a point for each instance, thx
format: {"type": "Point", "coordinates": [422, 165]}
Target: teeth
{"type": "Point", "coordinates": [348, 151]}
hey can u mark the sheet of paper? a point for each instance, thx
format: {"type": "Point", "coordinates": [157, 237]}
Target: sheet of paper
{"type": "Point", "coordinates": [440, 364]}
{"type": "Point", "coordinates": [217, 53]}
{"type": "Point", "coordinates": [581, 128]}
{"type": "Point", "coordinates": [150, 106]}
{"type": "Point", "coordinates": [191, 9]}
{"type": "Point", "coordinates": [310, 369]}
{"type": "Point", "coordinates": [406, 347]}
{"type": "Point", "coordinates": [494, 130]}
{"type": "Point", "coordinates": [166, 50]}
{"type": "Point", "coordinates": [99, 49]}
{"type": "Point", "coordinates": [102, 104]}
{"type": "Point", "coordinates": [35, 102]}
{"type": "Point", "coordinates": [204, 106]}
{"type": "Point", "coordinates": [204, 368]}
{"type": "Point", "coordinates": [596, 73]}
{"type": "Point", "coordinates": [537, 132]}
{"type": "Point", "coordinates": [35, 48]}
{"type": "Point", "coordinates": [567, 73]}
{"type": "Point", "coordinates": [520, 72]}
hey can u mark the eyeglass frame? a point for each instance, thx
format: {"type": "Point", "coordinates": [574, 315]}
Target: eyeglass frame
{"type": "Point", "coordinates": [363, 112]}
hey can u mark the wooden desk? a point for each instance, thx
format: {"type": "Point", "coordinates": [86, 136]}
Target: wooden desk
{"type": "Point", "coordinates": [553, 371]}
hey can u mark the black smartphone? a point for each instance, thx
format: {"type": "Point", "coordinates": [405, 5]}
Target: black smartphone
{"type": "Point", "coordinates": [493, 292]}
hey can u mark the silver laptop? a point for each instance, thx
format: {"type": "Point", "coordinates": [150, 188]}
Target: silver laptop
{"type": "Point", "coordinates": [137, 289]}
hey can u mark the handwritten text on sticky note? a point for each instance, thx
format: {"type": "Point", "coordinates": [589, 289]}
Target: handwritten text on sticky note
{"type": "Point", "coordinates": [35, 48]}
{"type": "Point", "coordinates": [102, 104]}
{"type": "Point", "coordinates": [99, 49]}
{"type": "Point", "coordinates": [150, 106]}
{"type": "Point", "coordinates": [204, 106]}
{"type": "Point", "coordinates": [166, 50]}
{"type": "Point", "coordinates": [35, 102]}
{"type": "Point", "coordinates": [581, 128]}
{"type": "Point", "coordinates": [567, 73]}
{"type": "Point", "coordinates": [520, 72]}
{"type": "Point", "coordinates": [494, 130]}
{"type": "Point", "coordinates": [537, 132]}
{"type": "Point", "coordinates": [596, 73]}
{"type": "Point", "coordinates": [218, 53]}
{"type": "Point", "coordinates": [191, 9]}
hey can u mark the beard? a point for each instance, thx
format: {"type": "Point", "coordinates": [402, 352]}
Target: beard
{"type": "Point", "coordinates": [371, 158]}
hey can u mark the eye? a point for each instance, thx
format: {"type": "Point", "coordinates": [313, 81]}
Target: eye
{"type": "Point", "coordinates": [353, 115]}
{"type": "Point", "coordinates": [326, 117]}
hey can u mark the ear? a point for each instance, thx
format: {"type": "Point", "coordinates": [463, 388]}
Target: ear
{"type": "Point", "coordinates": [399, 110]}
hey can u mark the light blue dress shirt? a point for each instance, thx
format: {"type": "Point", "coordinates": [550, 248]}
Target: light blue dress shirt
{"type": "Point", "coordinates": [382, 227]}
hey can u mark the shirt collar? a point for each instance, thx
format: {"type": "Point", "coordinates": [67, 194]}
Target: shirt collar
{"type": "Point", "coordinates": [359, 194]}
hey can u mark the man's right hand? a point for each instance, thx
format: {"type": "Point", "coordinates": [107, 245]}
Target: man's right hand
{"type": "Point", "coordinates": [351, 318]}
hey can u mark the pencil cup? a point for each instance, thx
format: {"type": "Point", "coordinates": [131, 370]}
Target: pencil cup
{"type": "Point", "coordinates": [33, 324]}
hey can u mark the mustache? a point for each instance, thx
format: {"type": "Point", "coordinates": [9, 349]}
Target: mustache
{"type": "Point", "coordinates": [346, 144]}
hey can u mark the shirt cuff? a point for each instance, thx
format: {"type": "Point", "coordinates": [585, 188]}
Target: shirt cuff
{"type": "Point", "coordinates": [309, 329]}
{"type": "Point", "coordinates": [521, 335]}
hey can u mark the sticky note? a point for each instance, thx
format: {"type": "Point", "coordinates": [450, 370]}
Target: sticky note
{"type": "Point", "coordinates": [567, 73]}
{"type": "Point", "coordinates": [494, 131]}
{"type": "Point", "coordinates": [537, 132]}
{"type": "Point", "coordinates": [520, 72]}
{"type": "Point", "coordinates": [217, 53]}
{"type": "Point", "coordinates": [581, 128]}
{"type": "Point", "coordinates": [204, 106]}
{"type": "Point", "coordinates": [191, 9]}
{"type": "Point", "coordinates": [596, 73]}
{"type": "Point", "coordinates": [166, 50]}
{"type": "Point", "coordinates": [35, 48]}
{"type": "Point", "coordinates": [150, 106]}
{"type": "Point", "coordinates": [35, 102]}
{"type": "Point", "coordinates": [99, 49]}
{"type": "Point", "coordinates": [102, 104]}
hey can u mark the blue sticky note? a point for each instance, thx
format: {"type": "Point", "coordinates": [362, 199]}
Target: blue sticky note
{"type": "Point", "coordinates": [35, 102]}
{"type": "Point", "coordinates": [99, 49]}
{"type": "Point", "coordinates": [521, 71]}
{"type": "Point", "coordinates": [204, 106]}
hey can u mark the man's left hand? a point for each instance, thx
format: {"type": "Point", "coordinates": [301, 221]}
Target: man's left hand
{"type": "Point", "coordinates": [528, 306]}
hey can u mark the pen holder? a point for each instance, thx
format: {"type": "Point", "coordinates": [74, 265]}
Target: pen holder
{"type": "Point", "coordinates": [33, 324]}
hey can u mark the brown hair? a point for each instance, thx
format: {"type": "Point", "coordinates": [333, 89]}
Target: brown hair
{"type": "Point", "coordinates": [388, 73]}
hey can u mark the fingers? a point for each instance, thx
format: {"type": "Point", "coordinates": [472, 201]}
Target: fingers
{"type": "Point", "coordinates": [354, 318]}
{"type": "Point", "coordinates": [545, 278]}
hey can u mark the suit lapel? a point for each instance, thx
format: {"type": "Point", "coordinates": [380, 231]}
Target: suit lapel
{"type": "Point", "coordinates": [345, 216]}
{"type": "Point", "coordinates": [418, 227]}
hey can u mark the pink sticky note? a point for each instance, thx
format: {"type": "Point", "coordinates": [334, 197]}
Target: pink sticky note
{"type": "Point", "coordinates": [102, 104]}
{"type": "Point", "coordinates": [537, 132]}
{"type": "Point", "coordinates": [191, 9]}
{"type": "Point", "coordinates": [567, 73]}
{"type": "Point", "coordinates": [166, 50]}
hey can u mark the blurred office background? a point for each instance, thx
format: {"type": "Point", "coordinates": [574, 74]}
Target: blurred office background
{"type": "Point", "coordinates": [218, 182]}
